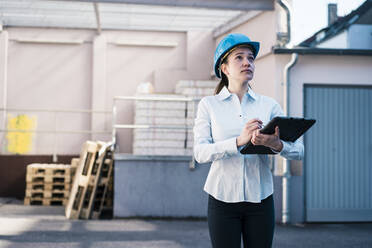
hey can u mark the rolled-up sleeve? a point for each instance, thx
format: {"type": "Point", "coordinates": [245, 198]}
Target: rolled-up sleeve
{"type": "Point", "coordinates": [291, 150]}
{"type": "Point", "coordinates": [205, 149]}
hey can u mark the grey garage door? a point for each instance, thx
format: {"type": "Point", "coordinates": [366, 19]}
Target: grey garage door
{"type": "Point", "coordinates": [338, 156]}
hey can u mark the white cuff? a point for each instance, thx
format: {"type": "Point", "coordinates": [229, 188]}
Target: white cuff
{"type": "Point", "coordinates": [285, 148]}
{"type": "Point", "coordinates": [231, 146]}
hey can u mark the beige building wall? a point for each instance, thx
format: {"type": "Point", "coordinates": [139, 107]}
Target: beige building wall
{"type": "Point", "coordinates": [3, 79]}
{"type": "Point", "coordinates": [261, 27]}
{"type": "Point", "coordinates": [45, 74]}
{"type": "Point", "coordinates": [78, 69]}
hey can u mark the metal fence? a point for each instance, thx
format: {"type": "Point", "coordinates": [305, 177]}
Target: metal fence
{"type": "Point", "coordinates": [53, 131]}
{"type": "Point", "coordinates": [115, 126]}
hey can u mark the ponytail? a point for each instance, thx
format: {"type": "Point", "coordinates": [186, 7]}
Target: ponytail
{"type": "Point", "coordinates": [224, 82]}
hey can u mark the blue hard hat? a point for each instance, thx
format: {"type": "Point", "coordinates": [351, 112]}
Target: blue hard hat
{"type": "Point", "coordinates": [228, 43]}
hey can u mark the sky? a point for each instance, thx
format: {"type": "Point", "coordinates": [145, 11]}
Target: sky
{"type": "Point", "coordinates": [309, 16]}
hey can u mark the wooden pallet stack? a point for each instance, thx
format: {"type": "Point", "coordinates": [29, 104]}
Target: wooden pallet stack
{"type": "Point", "coordinates": [74, 165]}
{"type": "Point", "coordinates": [47, 184]}
{"type": "Point", "coordinates": [109, 199]}
{"type": "Point", "coordinates": [91, 182]}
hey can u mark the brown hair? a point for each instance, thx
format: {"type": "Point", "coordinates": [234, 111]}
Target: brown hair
{"type": "Point", "coordinates": [224, 82]}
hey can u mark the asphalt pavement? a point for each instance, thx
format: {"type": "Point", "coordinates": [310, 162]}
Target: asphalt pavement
{"type": "Point", "coordinates": [43, 226]}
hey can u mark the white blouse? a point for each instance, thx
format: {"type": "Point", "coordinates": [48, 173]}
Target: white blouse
{"type": "Point", "coordinates": [234, 177]}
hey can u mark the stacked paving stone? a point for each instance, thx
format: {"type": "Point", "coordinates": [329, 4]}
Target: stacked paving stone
{"type": "Point", "coordinates": [165, 113]}
{"type": "Point", "coordinates": [47, 184]}
{"type": "Point", "coordinates": [196, 89]}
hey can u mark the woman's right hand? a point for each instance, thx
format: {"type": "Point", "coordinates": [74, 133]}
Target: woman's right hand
{"type": "Point", "coordinates": [248, 130]}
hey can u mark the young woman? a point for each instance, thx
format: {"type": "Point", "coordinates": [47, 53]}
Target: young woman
{"type": "Point", "coordinates": [240, 187]}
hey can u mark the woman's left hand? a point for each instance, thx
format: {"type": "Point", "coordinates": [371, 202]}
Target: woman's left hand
{"type": "Point", "coordinates": [270, 140]}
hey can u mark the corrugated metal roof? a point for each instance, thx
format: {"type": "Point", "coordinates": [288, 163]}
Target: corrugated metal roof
{"type": "Point", "coordinates": [76, 14]}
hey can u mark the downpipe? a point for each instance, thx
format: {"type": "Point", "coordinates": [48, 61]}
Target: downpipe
{"type": "Point", "coordinates": [286, 163]}
{"type": "Point", "coordinates": [286, 177]}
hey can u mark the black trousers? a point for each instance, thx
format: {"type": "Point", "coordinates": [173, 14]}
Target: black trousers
{"type": "Point", "coordinates": [229, 222]}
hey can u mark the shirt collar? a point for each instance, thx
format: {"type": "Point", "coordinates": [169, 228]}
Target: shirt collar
{"type": "Point", "coordinates": [225, 93]}
{"type": "Point", "coordinates": [252, 94]}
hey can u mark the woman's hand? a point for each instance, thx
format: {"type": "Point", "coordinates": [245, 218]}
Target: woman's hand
{"type": "Point", "coordinates": [269, 140]}
{"type": "Point", "coordinates": [248, 130]}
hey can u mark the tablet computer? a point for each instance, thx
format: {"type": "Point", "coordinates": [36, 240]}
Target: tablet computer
{"type": "Point", "coordinates": [290, 129]}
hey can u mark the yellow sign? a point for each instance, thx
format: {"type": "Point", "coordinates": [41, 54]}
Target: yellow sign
{"type": "Point", "coordinates": [20, 142]}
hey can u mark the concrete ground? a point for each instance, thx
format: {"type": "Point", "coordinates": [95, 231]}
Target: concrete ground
{"type": "Point", "coordinates": [39, 226]}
